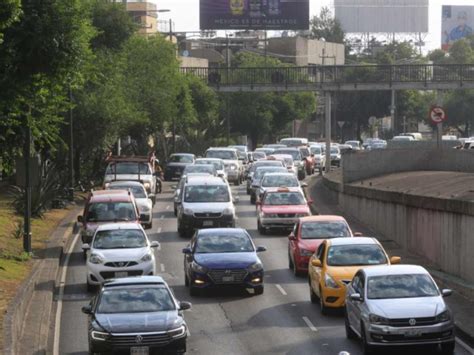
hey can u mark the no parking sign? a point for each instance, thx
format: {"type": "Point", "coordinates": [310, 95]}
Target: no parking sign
{"type": "Point", "coordinates": [437, 115]}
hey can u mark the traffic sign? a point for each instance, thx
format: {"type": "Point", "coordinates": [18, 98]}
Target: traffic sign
{"type": "Point", "coordinates": [372, 120]}
{"type": "Point", "coordinates": [437, 114]}
{"type": "Point", "coordinates": [341, 123]}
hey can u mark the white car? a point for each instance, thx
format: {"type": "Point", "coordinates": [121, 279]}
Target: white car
{"type": "Point", "coordinates": [233, 165]}
{"type": "Point", "coordinates": [218, 164]}
{"type": "Point", "coordinates": [319, 157]}
{"type": "Point", "coordinates": [144, 201]}
{"type": "Point", "coordinates": [119, 250]}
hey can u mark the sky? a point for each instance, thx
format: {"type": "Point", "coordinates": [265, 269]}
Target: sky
{"type": "Point", "coordinates": [185, 15]}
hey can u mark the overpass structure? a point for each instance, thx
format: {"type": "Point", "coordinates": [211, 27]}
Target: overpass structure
{"type": "Point", "coordinates": [339, 78]}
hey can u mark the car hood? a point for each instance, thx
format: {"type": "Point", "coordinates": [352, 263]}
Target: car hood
{"type": "Point", "coordinates": [143, 202]}
{"type": "Point", "coordinates": [310, 244]}
{"type": "Point", "coordinates": [128, 177]}
{"type": "Point", "coordinates": [419, 307]}
{"type": "Point", "coordinates": [343, 272]}
{"type": "Point", "coordinates": [226, 260]}
{"type": "Point", "coordinates": [286, 209]}
{"type": "Point", "coordinates": [213, 207]}
{"type": "Point", "coordinates": [121, 254]}
{"type": "Point", "coordinates": [139, 322]}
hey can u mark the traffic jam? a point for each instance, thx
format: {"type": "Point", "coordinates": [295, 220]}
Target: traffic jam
{"type": "Point", "coordinates": [133, 309]}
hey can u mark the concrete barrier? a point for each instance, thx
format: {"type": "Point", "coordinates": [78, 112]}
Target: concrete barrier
{"type": "Point", "coordinates": [362, 165]}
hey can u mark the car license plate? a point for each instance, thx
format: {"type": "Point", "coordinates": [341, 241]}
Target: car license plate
{"type": "Point", "coordinates": [139, 350]}
{"type": "Point", "coordinates": [207, 223]}
{"type": "Point", "coordinates": [121, 274]}
{"type": "Point", "coordinates": [413, 333]}
{"type": "Point", "coordinates": [228, 279]}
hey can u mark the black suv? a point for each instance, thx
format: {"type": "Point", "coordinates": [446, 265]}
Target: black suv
{"type": "Point", "coordinates": [138, 315]}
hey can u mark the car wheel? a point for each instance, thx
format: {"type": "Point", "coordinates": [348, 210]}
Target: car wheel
{"type": "Point", "coordinates": [258, 290]}
{"type": "Point", "coordinates": [261, 229]}
{"type": "Point", "coordinates": [193, 291]}
{"type": "Point", "coordinates": [312, 295]}
{"type": "Point", "coordinates": [367, 349]}
{"type": "Point", "coordinates": [149, 225]}
{"type": "Point", "coordinates": [350, 334]}
{"type": "Point", "coordinates": [322, 306]}
{"type": "Point", "coordinates": [448, 348]}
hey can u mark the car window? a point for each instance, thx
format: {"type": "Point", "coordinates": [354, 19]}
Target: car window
{"type": "Point", "coordinates": [259, 155]}
{"type": "Point", "coordinates": [357, 254]}
{"type": "Point", "coordinates": [401, 286]}
{"type": "Point", "coordinates": [284, 198]}
{"type": "Point", "coordinates": [136, 299]}
{"type": "Point", "coordinates": [181, 159]}
{"type": "Point", "coordinates": [223, 243]}
{"type": "Point", "coordinates": [295, 154]}
{"type": "Point", "coordinates": [222, 154]}
{"type": "Point", "coordinates": [137, 191]}
{"type": "Point", "coordinates": [128, 168]}
{"type": "Point", "coordinates": [315, 150]}
{"type": "Point", "coordinates": [200, 168]}
{"type": "Point", "coordinates": [206, 193]}
{"type": "Point", "coordinates": [324, 230]}
{"type": "Point", "coordinates": [111, 211]}
{"type": "Point", "coordinates": [119, 239]}
{"type": "Point", "coordinates": [320, 252]}
{"type": "Point", "coordinates": [280, 181]}
{"type": "Point", "coordinates": [356, 284]}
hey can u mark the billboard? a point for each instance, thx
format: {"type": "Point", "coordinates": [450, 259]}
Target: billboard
{"type": "Point", "coordinates": [254, 14]}
{"type": "Point", "coordinates": [382, 16]}
{"type": "Point", "coordinates": [457, 22]}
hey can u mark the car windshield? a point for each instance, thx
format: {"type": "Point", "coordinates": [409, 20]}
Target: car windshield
{"type": "Point", "coordinates": [136, 300]}
{"type": "Point", "coordinates": [262, 171]}
{"type": "Point", "coordinates": [324, 230]}
{"type": "Point", "coordinates": [200, 168]}
{"type": "Point", "coordinates": [218, 165]}
{"type": "Point", "coordinates": [128, 168]}
{"type": "Point", "coordinates": [181, 159]}
{"type": "Point", "coordinates": [137, 191]}
{"type": "Point", "coordinates": [280, 181]}
{"type": "Point", "coordinates": [304, 153]}
{"type": "Point", "coordinates": [284, 198]}
{"type": "Point", "coordinates": [223, 243]}
{"type": "Point", "coordinates": [295, 154]}
{"type": "Point", "coordinates": [119, 239]}
{"type": "Point", "coordinates": [111, 211]}
{"type": "Point", "coordinates": [401, 286]}
{"type": "Point", "coordinates": [259, 155]}
{"type": "Point", "coordinates": [222, 154]}
{"type": "Point", "coordinates": [316, 150]}
{"type": "Point", "coordinates": [206, 193]}
{"type": "Point", "coordinates": [264, 163]}
{"type": "Point", "coordinates": [355, 255]}
{"type": "Point", "coordinates": [335, 150]}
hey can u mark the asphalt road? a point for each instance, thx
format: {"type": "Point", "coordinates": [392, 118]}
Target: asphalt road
{"type": "Point", "coordinates": [281, 321]}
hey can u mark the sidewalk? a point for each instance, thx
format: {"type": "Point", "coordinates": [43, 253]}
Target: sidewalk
{"type": "Point", "coordinates": [462, 308]}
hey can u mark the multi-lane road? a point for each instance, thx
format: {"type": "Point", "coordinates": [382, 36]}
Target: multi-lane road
{"type": "Point", "coordinates": [281, 321]}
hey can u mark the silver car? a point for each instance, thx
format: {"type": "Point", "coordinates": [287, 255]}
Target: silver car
{"type": "Point", "coordinates": [398, 305]}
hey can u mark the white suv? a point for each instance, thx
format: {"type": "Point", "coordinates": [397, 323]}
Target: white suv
{"type": "Point", "coordinates": [233, 166]}
{"type": "Point", "coordinates": [119, 250]}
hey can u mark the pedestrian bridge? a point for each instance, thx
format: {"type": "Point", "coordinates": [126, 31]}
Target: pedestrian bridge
{"type": "Point", "coordinates": [338, 78]}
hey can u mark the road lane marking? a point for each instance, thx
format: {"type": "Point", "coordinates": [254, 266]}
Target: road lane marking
{"type": "Point", "coordinates": [168, 207]}
{"type": "Point", "coordinates": [158, 230]}
{"type": "Point", "coordinates": [464, 345]}
{"type": "Point", "coordinates": [59, 308]}
{"type": "Point", "coordinates": [162, 266]}
{"type": "Point", "coordinates": [283, 292]}
{"type": "Point", "coordinates": [309, 324]}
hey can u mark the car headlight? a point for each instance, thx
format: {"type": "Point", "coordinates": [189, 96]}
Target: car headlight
{"type": "Point", "coordinates": [229, 211]}
{"type": "Point", "coordinates": [145, 208]}
{"type": "Point", "coordinates": [255, 267]}
{"type": "Point", "coordinates": [199, 268]}
{"type": "Point", "coordinates": [233, 167]}
{"type": "Point", "coordinates": [146, 257]}
{"type": "Point", "coordinates": [99, 335]}
{"type": "Point", "coordinates": [378, 320]}
{"type": "Point", "coordinates": [96, 259]}
{"type": "Point", "coordinates": [330, 282]}
{"type": "Point", "coordinates": [147, 185]}
{"type": "Point", "coordinates": [443, 317]}
{"type": "Point", "coordinates": [188, 211]}
{"type": "Point", "coordinates": [305, 252]}
{"type": "Point", "coordinates": [177, 332]}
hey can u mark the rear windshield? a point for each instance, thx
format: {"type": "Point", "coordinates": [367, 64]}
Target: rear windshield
{"type": "Point", "coordinates": [128, 168]}
{"type": "Point", "coordinates": [200, 168]}
{"type": "Point", "coordinates": [222, 154]}
{"type": "Point", "coordinates": [295, 154]}
{"type": "Point", "coordinates": [137, 191]}
{"type": "Point", "coordinates": [280, 181]}
{"type": "Point", "coordinates": [181, 159]}
{"type": "Point", "coordinates": [315, 150]}
{"type": "Point", "coordinates": [219, 165]}
{"type": "Point", "coordinates": [324, 230]}
{"type": "Point", "coordinates": [260, 172]}
{"type": "Point", "coordinates": [111, 211]}
{"type": "Point", "coordinates": [206, 193]}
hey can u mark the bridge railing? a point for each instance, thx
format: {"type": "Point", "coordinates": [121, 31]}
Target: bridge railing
{"type": "Point", "coordinates": [338, 75]}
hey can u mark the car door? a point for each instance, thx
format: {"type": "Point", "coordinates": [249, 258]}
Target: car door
{"type": "Point", "coordinates": [293, 243]}
{"type": "Point", "coordinates": [188, 258]}
{"type": "Point", "coordinates": [358, 306]}
{"type": "Point", "coordinates": [317, 271]}
{"type": "Point", "coordinates": [354, 287]}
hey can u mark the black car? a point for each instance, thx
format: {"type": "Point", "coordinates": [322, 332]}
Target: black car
{"type": "Point", "coordinates": [176, 164]}
{"type": "Point", "coordinates": [222, 257]}
{"type": "Point", "coordinates": [138, 315]}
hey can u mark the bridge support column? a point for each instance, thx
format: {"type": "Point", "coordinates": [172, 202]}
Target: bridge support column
{"type": "Point", "coordinates": [327, 105]}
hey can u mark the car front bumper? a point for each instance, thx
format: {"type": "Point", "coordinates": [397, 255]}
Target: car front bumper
{"type": "Point", "coordinates": [99, 273]}
{"type": "Point", "coordinates": [334, 297]}
{"type": "Point", "coordinates": [215, 278]}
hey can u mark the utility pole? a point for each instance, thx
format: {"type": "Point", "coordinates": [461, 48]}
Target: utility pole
{"type": "Point", "coordinates": [328, 97]}
{"type": "Point", "coordinates": [71, 149]}
{"type": "Point", "coordinates": [174, 118]}
{"type": "Point", "coordinates": [27, 214]}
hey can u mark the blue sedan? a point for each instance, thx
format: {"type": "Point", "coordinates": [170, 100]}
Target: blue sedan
{"type": "Point", "coordinates": [220, 257]}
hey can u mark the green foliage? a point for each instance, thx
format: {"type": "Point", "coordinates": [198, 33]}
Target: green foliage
{"type": "Point", "coordinates": [9, 12]}
{"type": "Point", "coordinates": [327, 27]}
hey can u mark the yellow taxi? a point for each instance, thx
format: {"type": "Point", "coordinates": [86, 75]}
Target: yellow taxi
{"type": "Point", "coordinates": [335, 263]}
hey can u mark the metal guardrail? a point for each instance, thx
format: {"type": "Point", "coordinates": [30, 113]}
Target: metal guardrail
{"type": "Point", "coordinates": [344, 77]}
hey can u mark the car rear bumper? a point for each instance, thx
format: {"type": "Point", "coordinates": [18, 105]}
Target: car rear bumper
{"type": "Point", "coordinates": [192, 222]}
{"type": "Point", "coordinates": [288, 223]}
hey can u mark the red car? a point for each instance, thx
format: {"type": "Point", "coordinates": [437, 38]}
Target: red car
{"type": "Point", "coordinates": [308, 234]}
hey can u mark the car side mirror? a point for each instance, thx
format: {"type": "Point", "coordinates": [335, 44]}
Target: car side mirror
{"type": "Point", "coordinates": [316, 263]}
{"type": "Point", "coordinates": [261, 249]}
{"type": "Point", "coordinates": [303, 184]}
{"type": "Point", "coordinates": [80, 219]}
{"type": "Point", "coordinates": [356, 297]}
{"type": "Point", "coordinates": [187, 251]}
{"type": "Point", "coordinates": [357, 234]}
{"type": "Point", "coordinates": [143, 218]}
{"type": "Point", "coordinates": [395, 260]}
{"type": "Point", "coordinates": [86, 309]}
{"type": "Point", "coordinates": [86, 246]}
{"type": "Point", "coordinates": [154, 244]}
{"type": "Point", "coordinates": [446, 292]}
{"type": "Point", "coordinates": [292, 237]}
{"type": "Point", "coordinates": [183, 306]}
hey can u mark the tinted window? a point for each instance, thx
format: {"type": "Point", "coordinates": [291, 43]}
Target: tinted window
{"type": "Point", "coordinates": [352, 255]}
{"type": "Point", "coordinates": [280, 181]}
{"type": "Point", "coordinates": [111, 211]}
{"type": "Point", "coordinates": [128, 168]}
{"type": "Point", "coordinates": [260, 164]}
{"type": "Point", "coordinates": [284, 198]}
{"type": "Point", "coordinates": [259, 155]}
{"type": "Point", "coordinates": [324, 230]}
{"type": "Point", "coordinates": [400, 286]}
{"type": "Point", "coordinates": [132, 300]}
{"type": "Point", "coordinates": [207, 193]}
{"type": "Point", "coordinates": [181, 159]}
{"type": "Point", "coordinates": [119, 239]}
{"type": "Point", "coordinates": [223, 243]}
{"type": "Point", "coordinates": [222, 154]}
{"type": "Point", "coordinates": [262, 171]}
{"type": "Point", "coordinates": [137, 191]}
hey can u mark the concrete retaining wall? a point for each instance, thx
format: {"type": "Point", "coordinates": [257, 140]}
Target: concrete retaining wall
{"type": "Point", "coordinates": [362, 165]}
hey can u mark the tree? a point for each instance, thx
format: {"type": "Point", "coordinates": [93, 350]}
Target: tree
{"type": "Point", "coordinates": [326, 27]}
{"type": "Point", "coordinates": [9, 12]}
